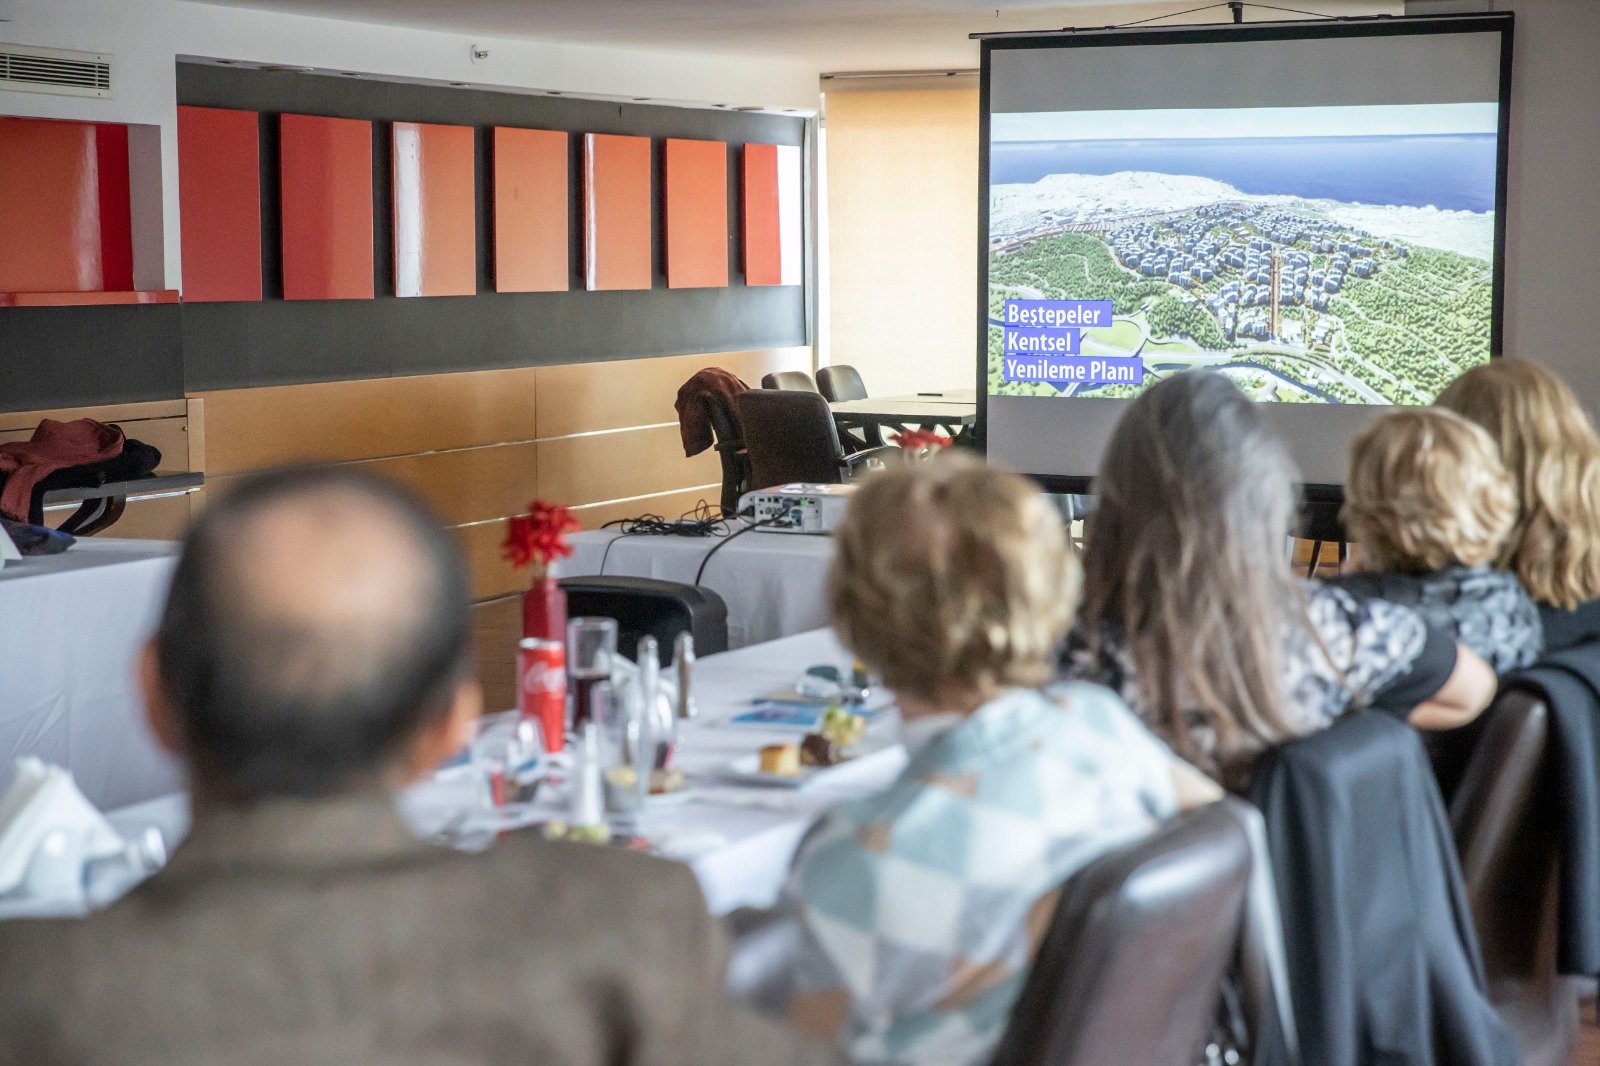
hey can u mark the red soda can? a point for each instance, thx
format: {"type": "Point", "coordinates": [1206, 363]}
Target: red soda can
{"type": "Point", "coordinates": [542, 688]}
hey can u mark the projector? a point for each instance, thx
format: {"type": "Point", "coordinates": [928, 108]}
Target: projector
{"type": "Point", "coordinates": [797, 508]}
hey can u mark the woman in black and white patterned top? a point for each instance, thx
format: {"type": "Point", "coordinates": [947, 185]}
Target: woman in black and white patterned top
{"type": "Point", "coordinates": [1431, 507]}
{"type": "Point", "coordinates": [1191, 613]}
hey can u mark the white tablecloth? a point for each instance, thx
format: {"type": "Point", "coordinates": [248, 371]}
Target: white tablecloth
{"type": "Point", "coordinates": [75, 623]}
{"type": "Point", "coordinates": [775, 584]}
{"type": "Point", "coordinates": [757, 829]}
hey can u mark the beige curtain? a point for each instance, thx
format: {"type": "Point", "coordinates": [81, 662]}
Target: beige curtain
{"type": "Point", "coordinates": [902, 186]}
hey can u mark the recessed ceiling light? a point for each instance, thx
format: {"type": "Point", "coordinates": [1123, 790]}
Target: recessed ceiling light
{"type": "Point", "coordinates": [459, 84]}
{"type": "Point", "coordinates": [278, 69]}
{"type": "Point", "coordinates": [749, 109]}
{"type": "Point", "coordinates": [642, 99]}
{"type": "Point", "coordinates": [350, 74]}
{"type": "Point", "coordinates": [553, 92]}
{"type": "Point", "coordinates": [227, 62]}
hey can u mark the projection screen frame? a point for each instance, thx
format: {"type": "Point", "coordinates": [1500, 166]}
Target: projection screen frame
{"type": "Point", "coordinates": [1114, 36]}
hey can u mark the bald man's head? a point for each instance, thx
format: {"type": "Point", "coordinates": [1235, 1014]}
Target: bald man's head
{"type": "Point", "coordinates": [317, 624]}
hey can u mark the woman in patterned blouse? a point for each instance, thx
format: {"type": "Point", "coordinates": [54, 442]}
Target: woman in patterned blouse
{"type": "Point", "coordinates": [914, 914]}
{"type": "Point", "coordinates": [1430, 507]}
{"type": "Point", "coordinates": [1190, 610]}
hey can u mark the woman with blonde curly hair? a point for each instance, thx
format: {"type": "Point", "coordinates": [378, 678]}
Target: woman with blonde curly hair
{"type": "Point", "coordinates": [1549, 446]}
{"type": "Point", "coordinates": [916, 912]}
{"type": "Point", "coordinates": [1431, 508]}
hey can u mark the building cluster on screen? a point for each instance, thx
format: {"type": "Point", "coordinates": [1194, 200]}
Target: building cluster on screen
{"type": "Point", "coordinates": [1264, 259]}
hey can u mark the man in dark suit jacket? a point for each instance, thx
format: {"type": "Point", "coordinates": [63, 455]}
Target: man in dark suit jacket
{"type": "Point", "coordinates": [313, 657]}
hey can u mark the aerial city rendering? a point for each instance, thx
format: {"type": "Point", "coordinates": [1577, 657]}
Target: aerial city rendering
{"type": "Point", "coordinates": [1342, 268]}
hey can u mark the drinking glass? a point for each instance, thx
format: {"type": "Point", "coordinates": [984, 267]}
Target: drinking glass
{"type": "Point", "coordinates": [591, 646]}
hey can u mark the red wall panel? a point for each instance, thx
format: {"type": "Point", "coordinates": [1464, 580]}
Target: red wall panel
{"type": "Point", "coordinates": [49, 207]}
{"type": "Point", "coordinates": [696, 223]}
{"type": "Point", "coordinates": [116, 209]}
{"type": "Point", "coordinates": [531, 193]}
{"type": "Point", "coordinates": [326, 174]}
{"type": "Point", "coordinates": [763, 261]}
{"type": "Point", "coordinates": [616, 212]}
{"type": "Point", "coordinates": [219, 203]}
{"type": "Point", "coordinates": [435, 210]}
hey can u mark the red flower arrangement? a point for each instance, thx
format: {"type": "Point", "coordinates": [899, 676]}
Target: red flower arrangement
{"type": "Point", "coordinates": [539, 537]}
{"type": "Point", "coordinates": [912, 439]}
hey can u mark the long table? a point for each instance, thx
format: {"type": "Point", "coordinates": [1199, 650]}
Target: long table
{"type": "Point", "coordinates": [738, 840]}
{"type": "Point", "coordinates": [67, 666]}
{"type": "Point", "coordinates": [774, 583]}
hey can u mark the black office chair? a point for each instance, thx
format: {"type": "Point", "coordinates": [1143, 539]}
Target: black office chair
{"type": "Point", "coordinates": [791, 436]}
{"type": "Point", "coordinates": [1133, 966]}
{"type": "Point", "coordinates": [646, 607]}
{"type": "Point", "coordinates": [840, 383]}
{"type": "Point", "coordinates": [1504, 818]}
{"type": "Point", "coordinates": [789, 381]}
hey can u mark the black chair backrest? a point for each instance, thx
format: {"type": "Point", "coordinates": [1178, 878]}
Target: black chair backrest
{"type": "Point", "coordinates": [790, 436]}
{"type": "Point", "coordinates": [1371, 896]}
{"type": "Point", "coordinates": [840, 383]}
{"type": "Point", "coordinates": [1131, 970]}
{"type": "Point", "coordinates": [1504, 818]}
{"type": "Point", "coordinates": [789, 381]}
{"type": "Point", "coordinates": [644, 606]}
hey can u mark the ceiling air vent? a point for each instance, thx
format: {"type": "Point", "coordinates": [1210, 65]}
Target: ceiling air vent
{"type": "Point", "coordinates": [24, 68]}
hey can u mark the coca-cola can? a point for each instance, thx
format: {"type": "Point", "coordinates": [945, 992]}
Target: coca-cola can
{"type": "Point", "coordinates": [542, 688]}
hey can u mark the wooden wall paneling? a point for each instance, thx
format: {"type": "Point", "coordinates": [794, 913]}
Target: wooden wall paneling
{"type": "Point", "coordinates": [326, 173]}
{"type": "Point", "coordinates": [616, 212]}
{"type": "Point", "coordinates": [219, 203]}
{"type": "Point", "coordinates": [763, 262]}
{"type": "Point", "coordinates": [49, 207]}
{"type": "Point", "coordinates": [666, 504]}
{"type": "Point", "coordinates": [116, 412]}
{"type": "Point", "coordinates": [491, 573]}
{"type": "Point", "coordinates": [470, 485]}
{"type": "Point", "coordinates": [435, 210]}
{"type": "Point", "coordinates": [695, 176]}
{"type": "Point", "coordinates": [532, 227]}
{"type": "Point", "coordinates": [585, 397]}
{"type": "Point", "coordinates": [614, 466]}
{"type": "Point", "coordinates": [248, 429]}
{"type": "Point", "coordinates": [116, 208]}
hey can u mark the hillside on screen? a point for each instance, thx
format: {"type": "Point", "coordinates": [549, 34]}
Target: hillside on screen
{"type": "Point", "coordinates": [1313, 254]}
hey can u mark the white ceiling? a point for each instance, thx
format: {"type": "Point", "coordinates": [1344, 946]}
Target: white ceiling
{"type": "Point", "coordinates": [827, 35]}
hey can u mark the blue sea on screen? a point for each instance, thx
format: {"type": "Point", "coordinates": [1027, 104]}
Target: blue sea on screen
{"type": "Point", "coordinates": [1453, 172]}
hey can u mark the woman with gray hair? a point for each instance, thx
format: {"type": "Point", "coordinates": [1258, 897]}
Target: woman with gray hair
{"type": "Point", "coordinates": [1191, 612]}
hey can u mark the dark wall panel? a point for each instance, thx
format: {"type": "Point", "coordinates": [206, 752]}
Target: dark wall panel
{"type": "Point", "coordinates": [273, 342]}
{"type": "Point", "coordinates": [76, 356]}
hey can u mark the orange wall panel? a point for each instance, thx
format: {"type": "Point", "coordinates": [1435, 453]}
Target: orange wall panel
{"type": "Point", "coordinates": [49, 207]}
{"type": "Point", "coordinates": [762, 257]}
{"type": "Point", "coordinates": [532, 233]}
{"type": "Point", "coordinates": [219, 203]}
{"type": "Point", "coordinates": [435, 210]}
{"type": "Point", "coordinates": [616, 212]}
{"type": "Point", "coordinates": [696, 223]}
{"type": "Point", "coordinates": [326, 174]}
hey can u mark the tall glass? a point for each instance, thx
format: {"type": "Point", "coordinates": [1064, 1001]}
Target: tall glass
{"type": "Point", "coordinates": [591, 647]}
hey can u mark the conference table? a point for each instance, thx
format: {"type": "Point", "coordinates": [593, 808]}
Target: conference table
{"type": "Point", "coordinates": [738, 839]}
{"type": "Point", "coordinates": [952, 410]}
{"type": "Point", "coordinates": [68, 691]}
{"type": "Point", "coordinates": [773, 583]}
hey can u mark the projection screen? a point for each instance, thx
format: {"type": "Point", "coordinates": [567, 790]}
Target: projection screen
{"type": "Point", "coordinates": [1314, 209]}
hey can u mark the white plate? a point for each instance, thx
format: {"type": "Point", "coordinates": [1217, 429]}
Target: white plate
{"type": "Point", "coordinates": [746, 770]}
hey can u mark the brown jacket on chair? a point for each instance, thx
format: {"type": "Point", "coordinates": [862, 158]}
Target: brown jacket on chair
{"type": "Point", "coordinates": [708, 387]}
{"type": "Point", "coordinates": [310, 933]}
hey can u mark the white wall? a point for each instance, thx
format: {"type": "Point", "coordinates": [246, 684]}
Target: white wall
{"type": "Point", "coordinates": [1553, 217]}
{"type": "Point", "coordinates": [145, 37]}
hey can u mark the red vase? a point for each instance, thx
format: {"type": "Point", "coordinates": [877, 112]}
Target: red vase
{"type": "Point", "coordinates": [544, 611]}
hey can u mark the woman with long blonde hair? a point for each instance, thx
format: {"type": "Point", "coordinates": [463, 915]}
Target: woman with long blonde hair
{"type": "Point", "coordinates": [1190, 609]}
{"type": "Point", "coordinates": [1549, 446]}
